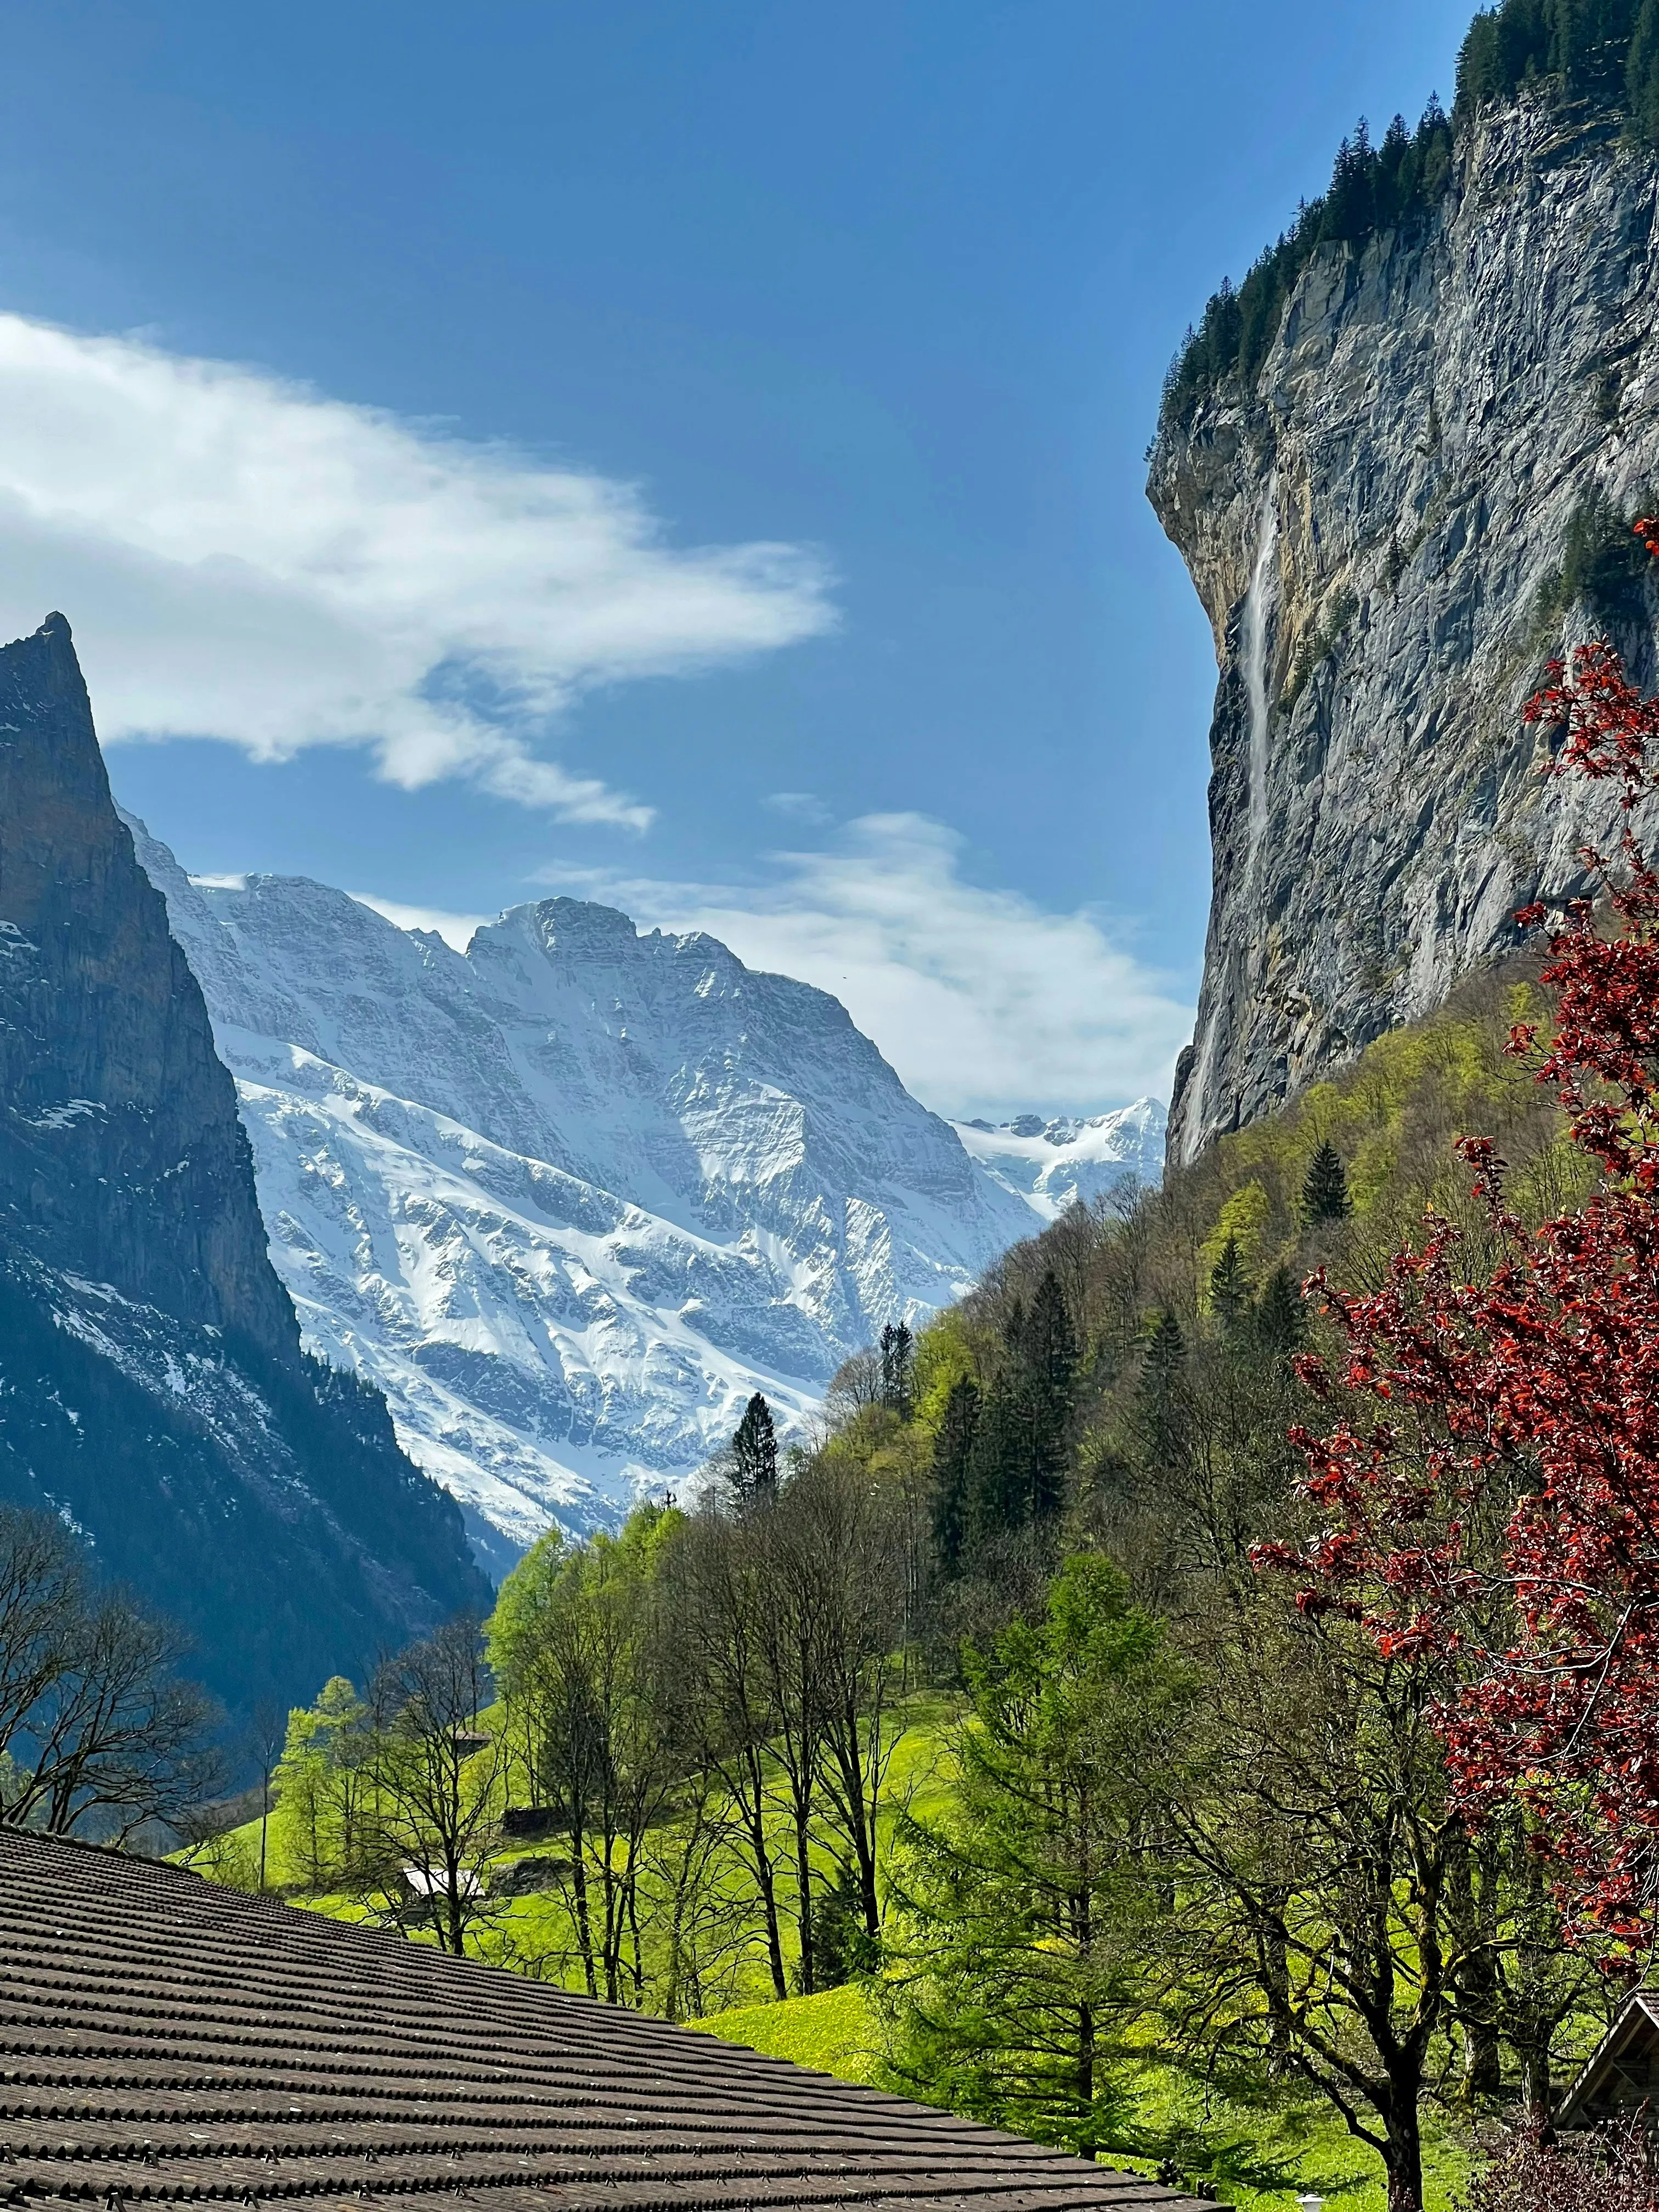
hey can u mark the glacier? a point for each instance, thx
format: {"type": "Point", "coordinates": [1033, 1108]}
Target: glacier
{"type": "Point", "coordinates": [568, 1197]}
{"type": "Point", "coordinates": [1063, 1160]}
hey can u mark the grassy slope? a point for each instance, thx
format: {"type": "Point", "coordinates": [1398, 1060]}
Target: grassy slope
{"type": "Point", "coordinates": [835, 2032]}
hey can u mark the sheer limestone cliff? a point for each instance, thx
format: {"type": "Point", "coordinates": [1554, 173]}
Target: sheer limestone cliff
{"type": "Point", "coordinates": [1425, 493]}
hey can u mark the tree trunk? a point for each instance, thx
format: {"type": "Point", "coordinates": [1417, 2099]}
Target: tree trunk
{"type": "Point", "coordinates": [769, 1906]}
{"type": "Point", "coordinates": [453, 1900]}
{"type": "Point", "coordinates": [1535, 2088]}
{"type": "Point", "coordinates": [754, 1814]}
{"type": "Point", "coordinates": [1085, 2078]}
{"type": "Point", "coordinates": [804, 1893]}
{"type": "Point", "coordinates": [584, 1923]}
{"type": "Point", "coordinates": [1403, 2158]}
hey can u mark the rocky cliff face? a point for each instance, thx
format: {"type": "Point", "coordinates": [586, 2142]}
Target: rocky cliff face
{"type": "Point", "coordinates": [153, 1390]}
{"type": "Point", "coordinates": [1425, 493]}
{"type": "Point", "coordinates": [115, 1110]}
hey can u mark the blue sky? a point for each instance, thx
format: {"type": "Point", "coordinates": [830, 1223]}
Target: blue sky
{"type": "Point", "coordinates": [689, 455]}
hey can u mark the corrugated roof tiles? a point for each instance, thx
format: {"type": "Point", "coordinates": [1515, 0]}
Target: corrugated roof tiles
{"type": "Point", "coordinates": [163, 2039]}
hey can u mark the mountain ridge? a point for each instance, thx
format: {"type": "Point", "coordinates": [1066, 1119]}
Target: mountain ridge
{"type": "Point", "coordinates": [570, 1196]}
{"type": "Point", "coordinates": [1057, 1160]}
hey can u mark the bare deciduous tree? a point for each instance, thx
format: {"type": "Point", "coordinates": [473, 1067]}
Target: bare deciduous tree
{"type": "Point", "coordinates": [97, 1728]}
{"type": "Point", "coordinates": [434, 1781]}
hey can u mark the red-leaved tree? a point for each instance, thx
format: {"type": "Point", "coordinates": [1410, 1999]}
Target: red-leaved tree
{"type": "Point", "coordinates": [1611, 2173]}
{"type": "Point", "coordinates": [1489, 1490]}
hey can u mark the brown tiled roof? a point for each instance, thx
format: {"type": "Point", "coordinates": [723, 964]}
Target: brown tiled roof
{"type": "Point", "coordinates": [161, 2038]}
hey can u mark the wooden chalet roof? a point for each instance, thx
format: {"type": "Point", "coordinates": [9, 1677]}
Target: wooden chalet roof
{"type": "Point", "coordinates": [1622, 2072]}
{"type": "Point", "coordinates": [164, 2039]}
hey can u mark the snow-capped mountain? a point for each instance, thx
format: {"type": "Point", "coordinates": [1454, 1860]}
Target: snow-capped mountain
{"type": "Point", "coordinates": [569, 1197]}
{"type": "Point", "coordinates": [1052, 1164]}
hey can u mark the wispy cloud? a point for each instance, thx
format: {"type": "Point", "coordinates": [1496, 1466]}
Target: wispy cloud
{"type": "Point", "coordinates": [246, 559]}
{"type": "Point", "coordinates": [984, 1003]}
{"type": "Point", "coordinates": [799, 807]}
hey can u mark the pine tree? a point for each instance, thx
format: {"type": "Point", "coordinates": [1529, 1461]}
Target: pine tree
{"type": "Point", "coordinates": [1642, 75]}
{"type": "Point", "coordinates": [1161, 1408]}
{"type": "Point", "coordinates": [1392, 175]}
{"type": "Point", "coordinates": [1048, 1341]}
{"type": "Point", "coordinates": [1013, 1329]}
{"type": "Point", "coordinates": [1351, 200]}
{"type": "Point", "coordinates": [1324, 1187]}
{"type": "Point", "coordinates": [1001, 1463]}
{"type": "Point", "coordinates": [1021, 1448]}
{"type": "Point", "coordinates": [1281, 1318]}
{"type": "Point", "coordinates": [755, 1454]}
{"type": "Point", "coordinates": [1166, 1352]}
{"type": "Point", "coordinates": [843, 1945]}
{"type": "Point", "coordinates": [1022, 1903]}
{"type": "Point", "coordinates": [1050, 1358]}
{"type": "Point", "coordinates": [952, 1453]}
{"type": "Point", "coordinates": [1229, 1287]}
{"type": "Point", "coordinates": [897, 1353]}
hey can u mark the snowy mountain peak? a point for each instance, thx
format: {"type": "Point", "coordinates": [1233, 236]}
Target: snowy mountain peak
{"type": "Point", "coordinates": [1055, 1161]}
{"type": "Point", "coordinates": [571, 1196]}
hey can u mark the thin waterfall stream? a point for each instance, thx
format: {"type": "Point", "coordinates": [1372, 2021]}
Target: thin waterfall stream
{"type": "Point", "coordinates": [1253, 638]}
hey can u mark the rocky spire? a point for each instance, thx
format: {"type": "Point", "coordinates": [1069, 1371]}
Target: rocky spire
{"type": "Point", "coordinates": [121, 1157]}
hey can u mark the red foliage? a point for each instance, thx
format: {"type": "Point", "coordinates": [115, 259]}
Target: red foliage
{"type": "Point", "coordinates": [1614, 2174]}
{"type": "Point", "coordinates": [1495, 1518]}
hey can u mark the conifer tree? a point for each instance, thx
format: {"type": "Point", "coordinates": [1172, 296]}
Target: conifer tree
{"type": "Point", "coordinates": [1050, 1359]}
{"type": "Point", "coordinates": [1017, 1466]}
{"type": "Point", "coordinates": [952, 1453]}
{"type": "Point", "coordinates": [1642, 74]}
{"type": "Point", "coordinates": [1000, 1461]}
{"type": "Point", "coordinates": [1023, 1899]}
{"type": "Point", "coordinates": [1324, 1187]}
{"type": "Point", "coordinates": [1166, 1352]}
{"type": "Point", "coordinates": [897, 1354]}
{"type": "Point", "coordinates": [1160, 1397]}
{"type": "Point", "coordinates": [1281, 1319]}
{"type": "Point", "coordinates": [755, 1454]}
{"type": "Point", "coordinates": [1229, 1287]}
{"type": "Point", "coordinates": [1048, 1342]}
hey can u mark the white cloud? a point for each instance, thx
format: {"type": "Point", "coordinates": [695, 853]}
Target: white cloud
{"type": "Point", "coordinates": [985, 1004]}
{"type": "Point", "coordinates": [242, 558]}
{"type": "Point", "coordinates": [799, 807]}
{"type": "Point", "coordinates": [455, 929]}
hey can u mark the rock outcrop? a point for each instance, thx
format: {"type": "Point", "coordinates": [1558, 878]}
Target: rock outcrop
{"type": "Point", "coordinates": [153, 1389]}
{"type": "Point", "coordinates": [1425, 493]}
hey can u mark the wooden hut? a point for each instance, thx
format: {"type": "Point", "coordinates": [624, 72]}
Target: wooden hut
{"type": "Point", "coordinates": [1622, 2073]}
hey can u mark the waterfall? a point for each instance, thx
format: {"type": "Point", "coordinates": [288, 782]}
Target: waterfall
{"type": "Point", "coordinates": [1253, 640]}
